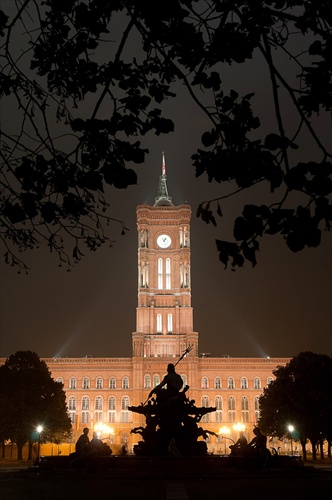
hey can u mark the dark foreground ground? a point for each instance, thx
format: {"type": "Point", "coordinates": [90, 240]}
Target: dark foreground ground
{"type": "Point", "coordinates": [308, 482]}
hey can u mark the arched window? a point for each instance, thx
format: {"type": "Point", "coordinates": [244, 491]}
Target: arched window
{"type": "Point", "coordinates": [72, 383]}
{"type": "Point", "coordinates": [244, 409]}
{"type": "Point", "coordinates": [85, 403]}
{"type": "Point", "coordinates": [124, 409]}
{"type": "Point", "coordinates": [99, 383]}
{"type": "Point", "coordinates": [257, 408]}
{"type": "Point", "coordinates": [72, 409]}
{"type": "Point", "coordinates": [160, 274]}
{"type": "Point", "coordinates": [269, 380]}
{"type": "Point", "coordinates": [231, 384]}
{"type": "Point", "coordinates": [86, 383]}
{"type": "Point", "coordinates": [159, 324]}
{"type": "Point", "coordinates": [111, 409]}
{"type": "Point", "coordinates": [169, 323]}
{"type": "Point", "coordinates": [205, 404]}
{"type": "Point", "coordinates": [85, 415]}
{"type": "Point", "coordinates": [125, 383]}
{"type": "Point", "coordinates": [257, 383]}
{"type": "Point", "coordinates": [124, 402]}
{"type": "Point", "coordinates": [168, 274]}
{"type": "Point", "coordinates": [98, 403]}
{"type": "Point", "coordinates": [218, 402]}
{"type": "Point", "coordinates": [72, 403]}
{"type": "Point", "coordinates": [218, 405]}
{"type": "Point", "coordinates": [147, 382]}
{"type": "Point", "coordinates": [244, 403]}
{"type": "Point", "coordinates": [156, 380]}
{"type": "Point", "coordinates": [112, 383]}
{"type": "Point", "coordinates": [205, 383]}
{"type": "Point", "coordinates": [112, 403]}
{"type": "Point", "coordinates": [244, 383]}
{"type": "Point", "coordinates": [184, 379]}
{"type": "Point", "coordinates": [217, 383]}
{"type": "Point", "coordinates": [231, 403]}
{"type": "Point", "coordinates": [59, 380]}
{"type": "Point", "coordinates": [98, 416]}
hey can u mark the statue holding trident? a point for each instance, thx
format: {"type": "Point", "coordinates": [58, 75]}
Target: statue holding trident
{"type": "Point", "coordinates": [173, 380]}
{"type": "Point", "coordinates": [171, 419]}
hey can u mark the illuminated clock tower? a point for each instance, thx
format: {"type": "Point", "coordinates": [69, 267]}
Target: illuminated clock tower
{"type": "Point", "coordinates": [164, 317]}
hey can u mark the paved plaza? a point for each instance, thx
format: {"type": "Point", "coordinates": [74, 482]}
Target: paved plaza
{"type": "Point", "coordinates": [22, 482]}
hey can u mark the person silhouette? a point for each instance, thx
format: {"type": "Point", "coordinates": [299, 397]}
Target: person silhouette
{"type": "Point", "coordinates": [82, 442]}
{"type": "Point", "coordinates": [238, 447]}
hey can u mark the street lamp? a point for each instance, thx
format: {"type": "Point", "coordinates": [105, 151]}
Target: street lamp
{"type": "Point", "coordinates": [103, 429]}
{"type": "Point", "coordinates": [39, 430]}
{"type": "Point", "coordinates": [239, 427]}
{"type": "Point", "coordinates": [291, 430]}
{"type": "Point", "coordinates": [225, 430]}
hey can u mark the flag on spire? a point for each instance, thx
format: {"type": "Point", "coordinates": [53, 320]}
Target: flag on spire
{"type": "Point", "coordinates": [163, 171]}
{"type": "Point", "coordinates": [162, 197]}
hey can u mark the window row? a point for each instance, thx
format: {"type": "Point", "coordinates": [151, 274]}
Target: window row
{"type": "Point", "coordinates": [218, 403]}
{"type": "Point", "coordinates": [97, 406]}
{"type": "Point", "coordinates": [228, 414]}
{"type": "Point", "coordinates": [155, 380]}
{"type": "Point", "coordinates": [231, 383]}
{"type": "Point", "coordinates": [99, 383]}
{"type": "Point", "coordinates": [97, 403]}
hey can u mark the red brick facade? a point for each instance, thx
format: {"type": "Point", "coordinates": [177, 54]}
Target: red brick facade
{"type": "Point", "coordinates": [99, 390]}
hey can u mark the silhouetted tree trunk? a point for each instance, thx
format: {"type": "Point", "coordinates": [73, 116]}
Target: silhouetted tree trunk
{"type": "Point", "coordinates": [313, 445]}
{"type": "Point", "coordinates": [30, 450]}
{"type": "Point", "coordinates": [329, 445]}
{"type": "Point", "coordinates": [20, 443]}
{"type": "Point", "coordinates": [304, 451]}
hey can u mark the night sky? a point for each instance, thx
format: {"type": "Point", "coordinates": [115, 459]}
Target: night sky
{"type": "Point", "coordinates": [278, 309]}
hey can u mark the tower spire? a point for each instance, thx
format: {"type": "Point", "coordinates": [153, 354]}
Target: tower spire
{"type": "Point", "coordinates": [162, 197]}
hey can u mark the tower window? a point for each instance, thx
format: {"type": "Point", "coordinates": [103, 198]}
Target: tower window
{"type": "Point", "coordinates": [168, 274]}
{"type": "Point", "coordinates": [160, 274]}
{"type": "Point", "coordinates": [159, 323]}
{"type": "Point", "coordinates": [169, 323]}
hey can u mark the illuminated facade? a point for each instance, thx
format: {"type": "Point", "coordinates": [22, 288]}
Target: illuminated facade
{"type": "Point", "coordinates": [99, 390]}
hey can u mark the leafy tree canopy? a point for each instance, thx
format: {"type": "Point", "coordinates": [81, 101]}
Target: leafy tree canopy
{"type": "Point", "coordinates": [300, 396]}
{"type": "Point", "coordinates": [86, 80]}
{"type": "Point", "coordinates": [30, 397]}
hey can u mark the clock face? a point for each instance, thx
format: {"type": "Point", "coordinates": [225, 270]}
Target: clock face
{"type": "Point", "coordinates": [164, 241]}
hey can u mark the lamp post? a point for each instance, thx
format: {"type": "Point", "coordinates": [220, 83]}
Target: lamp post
{"type": "Point", "coordinates": [291, 430]}
{"type": "Point", "coordinates": [39, 430]}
